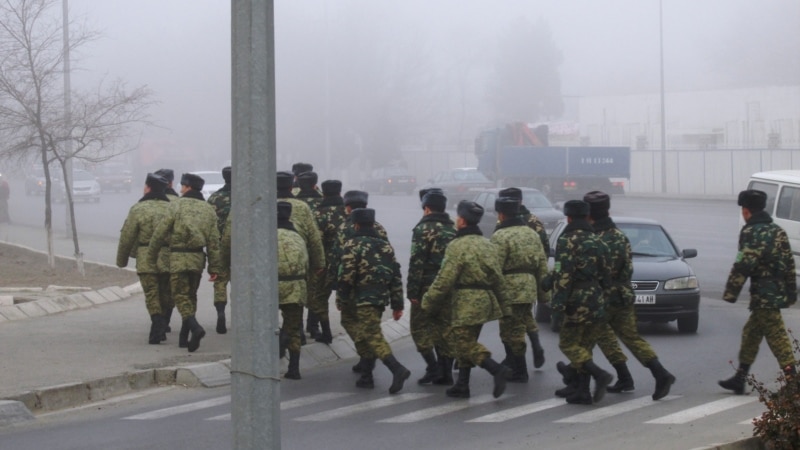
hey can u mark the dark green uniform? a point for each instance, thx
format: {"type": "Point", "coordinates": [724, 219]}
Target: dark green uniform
{"type": "Point", "coordinates": [330, 214]}
{"type": "Point", "coordinates": [221, 201]}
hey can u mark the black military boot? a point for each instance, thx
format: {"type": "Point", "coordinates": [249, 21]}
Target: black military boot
{"type": "Point", "coordinates": [359, 366]}
{"type": "Point", "coordinates": [399, 373]}
{"type": "Point", "coordinates": [737, 382]}
{"type": "Point", "coordinates": [302, 335]}
{"type": "Point", "coordinates": [312, 325]}
{"type": "Point", "coordinates": [325, 336]}
{"type": "Point", "coordinates": [519, 371]}
{"type": "Point", "coordinates": [294, 366]}
{"type": "Point", "coordinates": [538, 351]}
{"type": "Point", "coordinates": [432, 368]}
{"type": "Point", "coordinates": [167, 318]}
{"type": "Point", "coordinates": [581, 396]}
{"type": "Point", "coordinates": [499, 372]}
{"type": "Point", "coordinates": [183, 335]}
{"type": "Point", "coordinates": [221, 328]}
{"type": "Point", "coordinates": [570, 377]}
{"type": "Point", "coordinates": [508, 361]}
{"type": "Point", "coordinates": [601, 379]}
{"type": "Point", "coordinates": [197, 333]}
{"type": "Point", "coordinates": [445, 371]}
{"type": "Point", "coordinates": [156, 329]}
{"type": "Point", "coordinates": [624, 379]}
{"type": "Point", "coordinates": [664, 379]}
{"type": "Point", "coordinates": [461, 388]}
{"type": "Point", "coordinates": [366, 381]}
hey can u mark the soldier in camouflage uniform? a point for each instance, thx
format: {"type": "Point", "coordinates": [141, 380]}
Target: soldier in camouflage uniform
{"type": "Point", "coordinates": [541, 295]}
{"type": "Point", "coordinates": [292, 267]}
{"type": "Point", "coordinates": [765, 257]}
{"type": "Point", "coordinates": [469, 287]}
{"type": "Point", "coordinates": [297, 169]}
{"type": "Point", "coordinates": [619, 298]}
{"type": "Point", "coordinates": [578, 280]}
{"type": "Point", "coordinates": [428, 242]}
{"type": "Point", "coordinates": [330, 215]}
{"type": "Point", "coordinates": [524, 266]}
{"type": "Point", "coordinates": [188, 229]}
{"type": "Point", "coordinates": [368, 280]}
{"type": "Point", "coordinates": [169, 175]}
{"type": "Point", "coordinates": [221, 201]}
{"type": "Point", "coordinates": [307, 184]}
{"type": "Point", "coordinates": [133, 242]}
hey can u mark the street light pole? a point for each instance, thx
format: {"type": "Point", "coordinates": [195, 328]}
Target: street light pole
{"type": "Point", "coordinates": [67, 114]}
{"type": "Point", "coordinates": [663, 110]}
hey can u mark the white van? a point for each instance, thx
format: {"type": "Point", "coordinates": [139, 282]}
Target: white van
{"type": "Point", "coordinates": [783, 203]}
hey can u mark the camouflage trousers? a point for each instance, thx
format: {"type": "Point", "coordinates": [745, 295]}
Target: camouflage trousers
{"type": "Point", "coordinates": [513, 330]}
{"type": "Point", "coordinates": [183, 286]}
{"type": "Point", "coordinates": [157, 297]}
{"type": "Point", "coordinates": [575, 340]}
{"type": "Point", "coordinates": [366, 332]}
{"type": "Point", "coordinates": [428, 332]}
{"type": "Point", "coordinates": [530, 321]}
{"type": "Point", "coordinates": [463, 342]}
{"type": "Point", "coordinates": [292, 315]}
{"type": "Point", "coordinates": [622, 325]}
{"type": "Point", "coordinates": [766, 323]}
{"type": "Point", "coordinates": [221, 288]}
{"type": "Point", "coordinates": [319, 296]}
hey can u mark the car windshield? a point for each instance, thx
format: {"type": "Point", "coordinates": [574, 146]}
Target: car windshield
{"type": "Point", "coordinates": [648, 240]}
{"type": "Point", "coordinates": [469, 175]}
{"type": "Point", "coordinates": [536, 200]}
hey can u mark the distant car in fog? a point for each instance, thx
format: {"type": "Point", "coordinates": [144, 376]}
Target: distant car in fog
{"type": "Point", "coordinates": [114, 178]}
{"type": "Point", "coordinates": [84, 187]}
{"type": "Point", "coordinates": [35, 182]}
{"type": "Point", "coordinates": [213, 179]}
{"type": "Point", "coordinates": [389, 180]}
{"type": "Point", "coordinates": [459, 184]}
{"type": "Point", "coordinates": [533, 199]}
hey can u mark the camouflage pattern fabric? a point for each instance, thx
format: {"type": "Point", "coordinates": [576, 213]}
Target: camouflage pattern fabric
{"type": "Point", "coordinates": [292, 316]}
{"type": "Point", "coordinates": [312, 198]}
{"type": "Point", "coordinates": [766, 323]}
{"type": "Point", "coordinates": [620, 292]}
{"type": "Point", "coordinates": [330, 214]}
{"type": "Point", "coordinates": [157, 296]}
{"type": "Point", "coordinates": [136, 233]}
{"type": "Point", "coordinates": [183, 286]}
{"type": "Point", "coordinates": [367, 332]}
{"type": "Point", "coordinates": [292, 268]}
{"type": "Point", "coordinates": [512, 328]}
{"type": "Point", "coordinates": [465, 346]}
{"type": "Point", "coordinates": [225, 247]}
{"type": "Point", "coordinates": [221, 201]}
{"type": "Point", "coordinates": [622, 324]}
{"type": "Point", "coordinates": [303, 220]}
{"type": "Point", "coordinates": [576, 339]}
{"type": "Point", "coordinates": [346, 231]}
{"type": "Point", "coordinates": [188, 228]}
{"type": "Point", "coordinates": [350, 323]}
{"type": "Point", "coordinates": [536, 225]}
{"type": "Point", "coordinates": [368, 272]}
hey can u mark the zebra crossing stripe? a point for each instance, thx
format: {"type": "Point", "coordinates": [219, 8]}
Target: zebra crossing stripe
{"type": "Point", "coordinates": [312, 399]}
{"type": "Point", "coordinates": [435, 411]}
{"type": "Point", "coordinates": [705, 410]}
{"type": "Point", "coordinates": [175, 410]}
{"type": "Point", "coordinates": [615, 409]}
{"type": "Point", "coordinates": [361, 407]}
{"type": "Point", "coordinates": [749, 421]}
{"type": "Point", "coordinates": [221, 417]}
{"type": "Point", "coordinates": [524, 410]}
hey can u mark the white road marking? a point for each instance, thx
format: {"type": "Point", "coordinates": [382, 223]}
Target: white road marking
{"type": "Point", "coordinates": [175, 410]}
{"type": "Point", "coordinates": [524, 410]}
{"type": "Point", "coordinates": [613, 410]}
{"type": "Point", "coordinates": [361, 407]}
{"type": "Point", "coordinates": [434, 411]}
{"type": "Point", "coordinates": [311, 399]}
{"type": "Point", "coordinates": [705, 410]}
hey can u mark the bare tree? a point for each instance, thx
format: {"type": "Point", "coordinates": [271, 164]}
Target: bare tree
{"type": "Point", "coordinates": [32, 111]}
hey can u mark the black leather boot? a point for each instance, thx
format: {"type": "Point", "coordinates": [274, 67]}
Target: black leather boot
{"type": "Point", "coordinates": [624, 379]}
{"type": "Point", "coordinates": [601, 379]}
{"type": "Point", "coordinates": [536, 347]}
{"type": "Point", "coordinates": [519, 371]}
{"type": "Point", "coordinates": [445, 371]}
{"type": "Point", "coordinates": [399, 373]}
{"type": "Point", "coordinates": [570, 377]}
{"type": "Point", "coordinates": [737, 382]}
{"type": "Point", "coordinates": [294, 366]}
{"type": "Point", "coordinates": [508, 361]}
{"type": "Point", "coordinates": [366, 381]}
{"type": "Point", "coordinates": [431, 368]}
{"type": "Point", "coordinates": [325, 337]}
{"type": "Point", "coordinates": [221, 328]}
{"type": "Point", "coordinates": [499, 372]}
{"type": "Point", "coordinates": [183, 335]}
{"type": "Point", "coordinates": [312, 325]}
{"type": "Point", "coordinates": [167, 318]}
{"type": "Point", "coordinates": [156, 329]}
{"type": "Point", "coordinates": [461, 388]}
{"type": "Point", "coordinates": [582, 396]}
{"type": "Point", "coordinates": [359, 366]}
{"type": "Point", "coordinates": [197, 333]}
{"type": "Point", "coordinates": [664, 379]}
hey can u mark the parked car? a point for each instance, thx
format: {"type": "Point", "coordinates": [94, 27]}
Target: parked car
{"type": "Point", "coordinates": [35, 182]}
{"type": "Point", "coordinates": [665, 285]}
{"type": "Point", "coordinates": [114, 178]}
{"type": "Point", "coordinates": [459, 184]}
{"type": "Point", "coordinates": [389, 180]}
{"type": "Point", "coordinates": [213, 179]}
{"type": "Point", "coordinates": [533, 199]}
{"type": "Point", "coordinates": [84, 187]}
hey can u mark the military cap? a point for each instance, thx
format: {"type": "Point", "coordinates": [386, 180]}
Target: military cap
{"type": "Point", "coordinates": [363, 215]}
{"type": "Point", "coordinates": [307, 180]}
{"type": "Point", "coordinates": [435, 200]}
{"type": "Point", "coordinates": [356, 199]}
{"type": "Point", "coordinates": [424, 191]}
{"type": "Point", "coordinates": [193, 181]}
{"type": "Point", "coordinates": [507, 205]}
{"type": "Point", "coordinates": [753, 200]}
{"type": "Point", "coordinates": [298, 168]}
{"type": "Point", "coordinates": [576, 208]}
{"type": "Point", "coordinates": [599, 204]}
{"type": "Point", "coordinates": [156, 182]}
{"type": "Point", "coordinates": [284, 181]}
{"type": "Point", "coordinates": [168, 174]}
{"type": "Point", "coordinates": [331, 187]}
{"type": "Point", "coordinates": [226, 174]}
{"type": "Point", "coordinates": [471, 212]}
{"type": "Point", "coordinates": [512, 192]}
{"type": "Point", "coordinates": [284, 210]}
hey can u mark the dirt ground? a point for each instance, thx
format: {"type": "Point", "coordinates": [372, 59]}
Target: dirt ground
{"type": "Point", "coordinates": [24, 268]}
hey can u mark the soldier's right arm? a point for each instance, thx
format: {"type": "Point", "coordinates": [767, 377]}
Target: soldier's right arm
{"type": "Point", "coordinates": [160, 237]}
{"type": "Point", "coordinates": [444, 284]}
{"type": "Point", "coordinates": [128, 240]}
{"type": "Point", "coordinates": [348, 270]}
{"type": "Point", "coordinates": [415, 265]}
{"type": "Point", "coordinates": [746, 262]}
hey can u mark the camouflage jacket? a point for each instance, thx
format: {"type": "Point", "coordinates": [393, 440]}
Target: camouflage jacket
{"type": "Point", "coordinates": [765, 257]}
{"type": "Point", "coordinates": [469, 286]}
{"type": "Point", "coordinates": [580, 275]}
{"type": "Point", "coordinates": [137, 231]}
{"type": "Point", "coordinates": [522, 260]}
{"type": "Point", "coordinates": [292, 267]}
{"type": "Point", "coordinates": [429, 240]}
{"type": "Point", "coordinates": [189, 227]}
{"type": "Point", "coordinates": [346, 231]}
{"type": "Point", "coordinates": [225, 246]}
{"type": "Point", "coordinates": [221, 201]}
{"type": "Point", "coordinates": [368, 272]}
{"type": "Point", "coordinates": [172, 195]}
{"type": "Point", "coordinates": [312, 198]}
{"type": "Point", "coordinates": [536, 225]}
{"type": "Point", "coordinates": [620, 293]}
{"type": "Point", "coordinates": [303, 220]}
{"type": "Point", "coordinates": [330, 215]}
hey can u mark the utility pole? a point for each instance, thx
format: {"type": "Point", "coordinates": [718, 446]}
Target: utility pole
{"type": "Point", "coordinates": [255, 379]}
{"type": "Point", "coordinates": [67, 115]}
{"type": "Point", "coordinates": [663, 109]}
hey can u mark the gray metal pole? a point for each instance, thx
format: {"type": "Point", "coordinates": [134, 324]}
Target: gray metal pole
{"type": "Point", "coordinates": [255, 379]}
{"type": "Point", "coordinates": [663, 109]}
{"type": "Point", "coordinates": [67, 113]}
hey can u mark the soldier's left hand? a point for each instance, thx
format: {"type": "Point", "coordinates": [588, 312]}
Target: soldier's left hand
{"type": "Point", "coordinates": [414, 301]}
{"type": "Point", "coordinates": [212, 277]}
{"type": "Point", "coordinates": [397, 314]}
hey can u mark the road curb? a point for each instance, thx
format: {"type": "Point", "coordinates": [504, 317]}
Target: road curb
{"type": "Point", "coordinates": [751, 443]}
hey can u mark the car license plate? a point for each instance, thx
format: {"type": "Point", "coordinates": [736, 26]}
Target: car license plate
{"type": "Point", "coordinates": [645, 300]}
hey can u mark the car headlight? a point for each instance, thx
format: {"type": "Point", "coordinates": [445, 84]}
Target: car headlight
{"type": "Point", "coordinates": [681, 283]}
